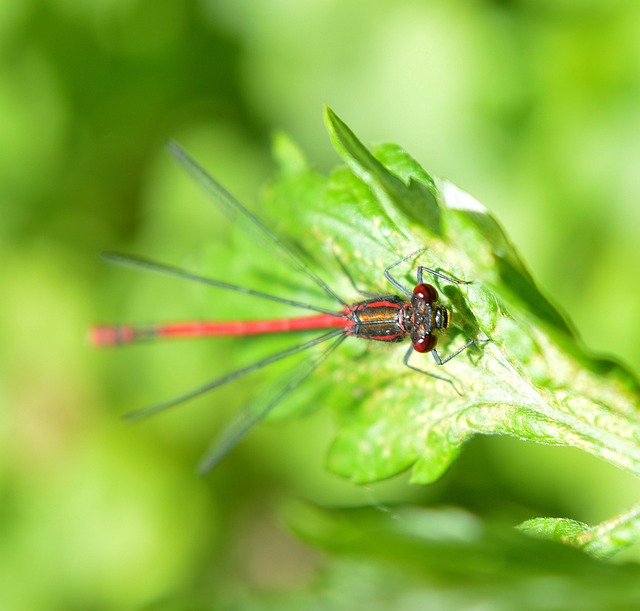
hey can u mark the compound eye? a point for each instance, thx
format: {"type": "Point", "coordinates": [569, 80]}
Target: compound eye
{"type": "Point", "coordinates": [426, 292]}
{"type": "Point", "coordinates": [425, 344]}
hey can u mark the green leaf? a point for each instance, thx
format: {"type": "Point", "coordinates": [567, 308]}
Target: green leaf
{"type": "Point", "coordinates": [532, 381]}
{"type": "Point", "coordinates": [414, 201]}
{"type": "Point", "coordinates": [602, 540]}
{"type": "Point", "coordinates": [451, 556]}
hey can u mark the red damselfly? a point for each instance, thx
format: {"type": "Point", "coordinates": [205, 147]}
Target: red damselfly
{"type": "Point", "coordinates": [416, 315]}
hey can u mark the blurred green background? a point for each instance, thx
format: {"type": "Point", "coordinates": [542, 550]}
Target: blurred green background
{"type": "Point", "coordinates": [531, 106]}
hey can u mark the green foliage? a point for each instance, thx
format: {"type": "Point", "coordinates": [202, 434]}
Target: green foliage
{"type": "Point", "coordinates": [531, 105]}
{"type": "Point", "coordinates": [602, 540]}
{"type": "Point", "coordinates": [429, 552]}
{"type": "Point", "coordinates": [532, 380]}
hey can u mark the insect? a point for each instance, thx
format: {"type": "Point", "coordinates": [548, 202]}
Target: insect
{"type": "Point", "coordinates": [416, 315]}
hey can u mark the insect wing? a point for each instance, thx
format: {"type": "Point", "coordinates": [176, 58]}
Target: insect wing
{"type": "Point", "coordinates": [147, 265]}
{"type": "Point", "coordinates": [259, 410]}
{"type": "Point", "coordinates": [156, 408]}
{"type": "Point", "coordinates": [240, 215]}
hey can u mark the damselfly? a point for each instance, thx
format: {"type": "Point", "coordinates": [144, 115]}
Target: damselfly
{"type": "Point", "coordinates": [416, 315]}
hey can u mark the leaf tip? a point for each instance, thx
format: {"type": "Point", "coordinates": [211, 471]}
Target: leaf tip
{"type": "Point", "coordinates": [287, 154]}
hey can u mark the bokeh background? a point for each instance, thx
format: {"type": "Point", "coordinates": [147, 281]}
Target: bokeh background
{"type": "Point", "coordinates": [531, 106]}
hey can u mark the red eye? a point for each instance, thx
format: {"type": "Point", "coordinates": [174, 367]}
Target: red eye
{"type": "Point", "coordinates": [426, 292]}
{"type": "Point", "coordinates": [425, 344]}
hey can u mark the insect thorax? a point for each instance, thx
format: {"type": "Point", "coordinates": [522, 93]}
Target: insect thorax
{"type": "Point", "coordinates": [424, 318]}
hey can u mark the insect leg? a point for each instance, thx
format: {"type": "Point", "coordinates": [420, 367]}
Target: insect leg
{"type": "Point", "coordinates": [442, 361]}
{"type": "Point", "coordinates": [392, 280]}
{"type": "Point", "coordinates": [406, 358]}
{"type": "Point", "coordinates": [433, 272]}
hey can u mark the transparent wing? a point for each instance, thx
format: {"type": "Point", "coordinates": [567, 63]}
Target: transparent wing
{"type": "Point", "coordinates": [251, 224]}
{"type": "Point", "coordinates": [151, 410]}
{"type": "Point", "coordinates": [170, 270]}
{"type": "Point", "coordinates": [252, 415]}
